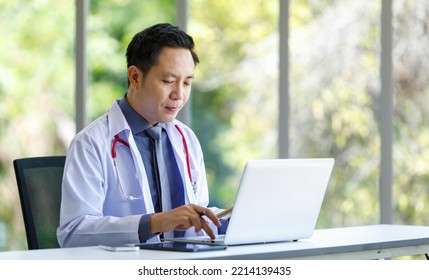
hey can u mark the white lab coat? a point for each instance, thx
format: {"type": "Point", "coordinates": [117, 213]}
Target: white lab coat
{"type": "Point", "coordinates": [94, 210]}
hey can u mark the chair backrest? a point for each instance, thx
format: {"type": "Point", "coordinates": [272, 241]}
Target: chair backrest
{"type": "Point", "coordinates": [39, 185]}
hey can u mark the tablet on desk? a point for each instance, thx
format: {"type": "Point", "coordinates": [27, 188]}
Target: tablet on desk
{"type": "Point", "coordinates": [181, 247]}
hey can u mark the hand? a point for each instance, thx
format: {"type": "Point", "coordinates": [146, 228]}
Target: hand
{"type": "Point", "coordinates": [182, 218]}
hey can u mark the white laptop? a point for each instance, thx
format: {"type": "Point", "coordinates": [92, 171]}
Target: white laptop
{"type": "Point", "coordinates": [277, 200]}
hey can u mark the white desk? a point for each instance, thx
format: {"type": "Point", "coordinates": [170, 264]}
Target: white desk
{"type": "Point", "coordinates": [364, 242]}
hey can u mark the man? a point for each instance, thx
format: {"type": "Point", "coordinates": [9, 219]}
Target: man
{"type": "Point", "coordinates": [118, 187]}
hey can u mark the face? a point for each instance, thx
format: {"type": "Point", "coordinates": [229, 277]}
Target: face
{"type": "Point", "coordinates": [159, 95]}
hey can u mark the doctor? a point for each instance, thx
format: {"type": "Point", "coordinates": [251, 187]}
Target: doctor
{"type": "Point", "coordinates": [111, 193]}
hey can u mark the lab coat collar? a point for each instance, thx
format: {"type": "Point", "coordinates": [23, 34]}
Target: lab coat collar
{"type": "Point", "coordinates": [117, 121]}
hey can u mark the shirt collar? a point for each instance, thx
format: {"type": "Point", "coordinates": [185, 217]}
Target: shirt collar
{"type": "Point", "coordinates": [136, 122]}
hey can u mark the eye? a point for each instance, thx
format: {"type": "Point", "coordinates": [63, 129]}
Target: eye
{"type": "Point", "coordinates": [167, 81]}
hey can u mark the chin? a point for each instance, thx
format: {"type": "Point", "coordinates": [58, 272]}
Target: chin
{"type": "Point", "coordinates": [168, 119]}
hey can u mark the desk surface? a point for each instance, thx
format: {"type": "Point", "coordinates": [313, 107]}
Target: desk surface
{"type": "Point", "coordinates": [363, 242]}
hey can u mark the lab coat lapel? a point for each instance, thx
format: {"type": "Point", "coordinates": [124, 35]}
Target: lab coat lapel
{"type": "Point", "coordinates": [118, 124]}
{"type": "Point", "coordinates": [180, 154]}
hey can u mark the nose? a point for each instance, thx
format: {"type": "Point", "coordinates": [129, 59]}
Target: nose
{"type": "Point", "coordinates": [178, 93]}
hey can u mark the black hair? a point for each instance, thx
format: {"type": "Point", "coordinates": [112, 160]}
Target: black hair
{"type": "Point", "coordinates": [145, 47]}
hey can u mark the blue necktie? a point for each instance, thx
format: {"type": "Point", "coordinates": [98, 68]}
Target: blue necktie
{"type": "Point", "coordinates": [159, 164]}
{"type": "Point", "coordinates": [161, 174]}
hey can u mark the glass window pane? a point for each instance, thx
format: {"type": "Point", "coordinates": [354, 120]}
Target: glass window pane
{"type": "Point", "coordinates": [111, 26]}
{"type": "Point", "coordinates": [334, 91]}
{"type": "Point", "coordinates": [234, 99]}
{"type": "Point", "coordinates": [411, 113]}
{"type": "Point", "coordinates": [36, 93]}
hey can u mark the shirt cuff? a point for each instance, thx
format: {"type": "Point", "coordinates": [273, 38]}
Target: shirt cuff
{"type": "Point", "coordinates": [144, 228]}
{"type": "Point", "coordinates": [223, 227]}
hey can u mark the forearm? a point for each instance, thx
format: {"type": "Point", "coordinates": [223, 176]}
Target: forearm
{"type": "Point", "coordinates": [92, 231]}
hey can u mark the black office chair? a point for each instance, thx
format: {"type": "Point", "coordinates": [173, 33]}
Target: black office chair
{"type": "Point", "coordinates": [39, 185]}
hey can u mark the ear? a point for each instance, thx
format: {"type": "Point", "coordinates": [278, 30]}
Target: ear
{"type": "Point", "coordinates": [134, 75]}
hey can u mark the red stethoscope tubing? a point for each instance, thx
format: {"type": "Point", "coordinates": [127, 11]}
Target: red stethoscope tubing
{"type": "Point", "coordinates": [185, 145]}
{"type": "Point", "coordinates": [115, 142]}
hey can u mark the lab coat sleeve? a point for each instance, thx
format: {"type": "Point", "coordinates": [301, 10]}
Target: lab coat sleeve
{"type": "Point", "coordinates": [82, 222]}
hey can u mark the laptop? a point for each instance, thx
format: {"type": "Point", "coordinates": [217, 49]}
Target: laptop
{"type": "Point", "coordinates": [277, 200]}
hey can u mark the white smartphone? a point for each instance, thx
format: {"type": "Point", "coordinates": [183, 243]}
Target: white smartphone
{"type": "Point", "coordinates": [122, 248]}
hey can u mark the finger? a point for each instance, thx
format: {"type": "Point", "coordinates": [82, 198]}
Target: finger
{"type": "Point", "coordinates": [204, 224]}
{"type": "Point", "coordinates": [206, 227]}
{"type": "Point", "coordinates": [209, 214]}
{"type": "Point", "coordinates": [202, 213]}
{"type": "Point", "coordinates": [183, 224]}
{"type": "Point", "coordinates": [197, 220]}
{"type": "Point", "coordinates": [186, 216]}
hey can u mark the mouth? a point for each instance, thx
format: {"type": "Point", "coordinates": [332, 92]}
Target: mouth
{"type": "Point", "coordinates": [172, 109]}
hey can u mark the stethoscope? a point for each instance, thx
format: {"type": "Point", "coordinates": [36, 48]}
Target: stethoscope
{"type": "Point", "coordinates": [118, 139]}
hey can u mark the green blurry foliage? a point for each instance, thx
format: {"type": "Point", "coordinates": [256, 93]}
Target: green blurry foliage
{"type": "Point", "coordinates": [111, 27]}
{"type": "Point", "coordinates": [234, 112]}
{"type": "Point", "coordinates": [36, 91]}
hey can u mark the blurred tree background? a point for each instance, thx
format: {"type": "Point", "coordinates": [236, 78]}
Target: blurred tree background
{"type": "Point", "coordinates": [334, 84]}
